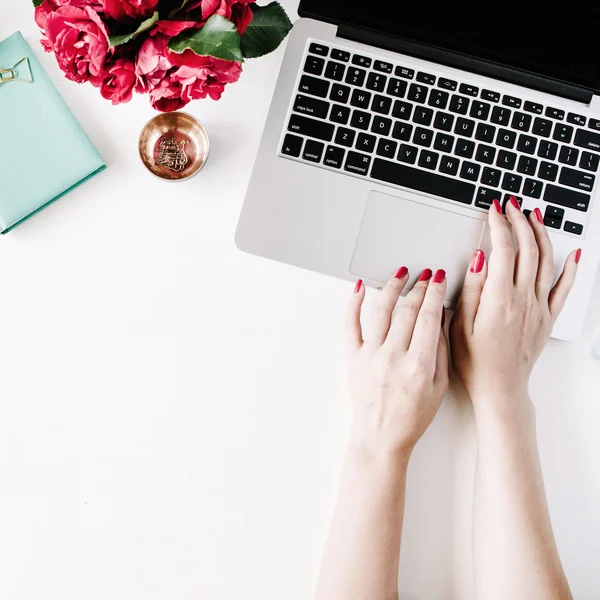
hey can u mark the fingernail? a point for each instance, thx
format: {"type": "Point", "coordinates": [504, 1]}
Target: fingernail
{"type": "Point", "coordinates": [578, 256]}
{"type": "Point", "coordinates": [358, 287]}
{"type": "Point", "coordinates": [477, 261]}
{"type": "Point", "coordinates": [402, 272]}
{"type": "Point", "coordinates": [443, 316]}
{"type": "Point", "coordinates": [515, 202]}
{"type": "Point", "coordinates": [439, 276]}
{"type": "Point", "coordinates": [538, 214]}
{"type": "Point", "coordinates": [497, 206]}
{"type": "Point", "coordinates": [426, 275]}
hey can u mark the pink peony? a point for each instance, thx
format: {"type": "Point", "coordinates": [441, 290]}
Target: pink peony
{"type": "Point", "coordinates": [49, 6]}
{"type": "Point", "coordinates": [79, 39]}
{"type": "Point", "coordinates": [127, 10]}
{"type": "Point", "coordinates": [119, 81]}
{"type": "Point", "coordinates": [238, 11]}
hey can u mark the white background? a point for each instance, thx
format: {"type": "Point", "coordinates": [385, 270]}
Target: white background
{"type": "Point", "coordinates": [173, 412]}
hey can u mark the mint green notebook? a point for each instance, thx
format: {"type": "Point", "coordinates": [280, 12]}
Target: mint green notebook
{"type": "Point", "coordinates": [44, 153]}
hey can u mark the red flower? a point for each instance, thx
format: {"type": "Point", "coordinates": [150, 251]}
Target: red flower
{"type": "Point", "coordinates": [119, 81]}
{"type": "Point", "coordinates": [127, 10]}
{"type": "Point", "coordinates": [238, 11]}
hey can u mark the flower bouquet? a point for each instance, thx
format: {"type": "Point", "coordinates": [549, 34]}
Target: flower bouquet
{"type": "Point", "coordinates": [173, 50]}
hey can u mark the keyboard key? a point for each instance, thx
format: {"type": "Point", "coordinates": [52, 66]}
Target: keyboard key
{"type": "Point", "coordinates": [439, 99]}
{"type": "Point", "coordinates": [533, 188]}
{"type": "Point", "coordinates": [501, 116]}
{"type": "Point", "coordinates": [376, 82]}
{"type": "Point", "coordinates": [469, 90]}
{"type": "Point", "coordinates": [594, 124]}
{"type": "Point", "coordinates": [345, 137]}
{"type": "Point", "coordinates": [569, 156]}
{"type": "Point", "coordinates": [430, 183]}
{"type": "Point", "coordinates": [470, 171]}
{"type": "Point", "coordinates": [334, 157]}
{"type": "Point", "coordinates": [464, 127]}
{"type": "Point", "coordinates": [340, 55]}
{"type": "Point", "coordinates": [577, 179]}
{"type": "Point", "coordinates": [533, 107]}
{"type": "Point", "coordinates": [361, 99]}
{"type": "Point", "coordinates": [548, 150]}
{"type": "Point", "coordinates": [552, 222]}
{"type": "Point", "coordinates": [314, 87]}
{"type": "Point", "coordinates": [340, 93]}
{"type": "Point", "coordinates": [480, 110]}
{"type": "Point", "coordinates": [426, 78]}
{"type": "Point", "coordinates": [423, 137]}
{"type": "Point", "coordinates": [449, 165]}
{"type": "Point", "coordinates": [366, 142]}
{"type": "Point", "coordinates": [358, 163]}
{"type": "Point", "coordinates": [555, 113]}
{"type": "Point", "coordinates": [506, 160]}
{"type": "Point", "coordinates": [361, 61]}
{"type": "Point", "coordinates": [491, 176]}
{"type": "Point", "coordinates": [335, 70]}
{"type": "Point", "coordinates": [382, 105]}
{"type": "Point", "coordinates": [402, 131]}
{"type": "Point", "coordinates": [340, 114]}
{"type": "Point", "coordinates": [387, 148]}
{"type": "Point", "coordinates": [423, 116]}
{"type": "Point", "coordinates": [553, 217]}
{"type": "Point", "coordinates": [292, 145]}
{"type": "Point", "coordinates": [548, 171]}
{"type": "Point", "coordinates": [309, 105]}
{"type": "Point", "coordinates": [507, 198]}
{"type": "Point", "coordinates": [459, 105]}
{"type": "Point", "coordinates": [587, 139]}
{"type": "Point", "coordinates": [318, 49]}
{"type": "Point", "coordinates": [506, 138]}
{"type": "Point", "coordinates": [490, 96]}
{"type": "Point", "coordinates": [527, 144]}
{"type": "Point", "coordinates": [417, 93]}
{"type": "Point", "coordinates": [589, 161]}
{"type": "Point", "coordinates": [314, 65]}
{"type": "Point", "coordinates": [447, 84]}
{"type": "Point", "coordinates": [404, 72]}
{"type": "Point", "coordinates": [313, 151]}
{"type": "Point", "coordinates": [521, 121]}
{"type": "Point", "coordinates": [464, 148]}
{"type": "Point", "coordinates": [428, 159]}
{"type": "Point", "coordinates": [383, 67]}
{"type": "Point", "coordinates": [485, 154]}
{"type": "Point", "coordinates": [311, 128]}
{"type": "Point", "coordinates": [485, 197]}
{"type": "Point", "coordinates": [576, 119]}
{"type": "Point", "coordinates": [563, 133]}
{"type": "Point", "coordinates": [402, 110]}
{"type": "Point", "coordinates": [568, 198]}
{"type": "Point", "coordinates": [485, 133]}
{"type": "Point", "coordinates": [512, 102]}
{"type": "Point", "coordinates": [361, 120]}
{"type": "Point", "coordinates": [381, 126]}
{"type": "Point", "coordinates": [575, 228]}
{"type": "Point", "coordinates": [527, 165]}
{"type": "Point", "coordinates": [356, 77]}
{"type": "Point", "coordinates": [512, 183]}
{"type": "Point", "coordinates": [542, 127]}
{"type": "Point", "coordinates": [397, 87]}
{"type": "Point", "coordinates": [443, 121]}
{"type": "Point", "coordinates": [554, 211]}
{"type": "Point", "coordinates": [407, 154]}
{"type": "Point", "coordinates": [443, 142]}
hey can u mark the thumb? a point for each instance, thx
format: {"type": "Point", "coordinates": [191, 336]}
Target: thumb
{"type": "Point", "coordinates": [468, 305]}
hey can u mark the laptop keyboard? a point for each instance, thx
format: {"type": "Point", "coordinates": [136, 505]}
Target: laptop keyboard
{"type": "Point", "coordinates": [394, 125]}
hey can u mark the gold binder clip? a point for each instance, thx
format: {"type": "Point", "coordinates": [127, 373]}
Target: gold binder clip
{"type": "Point", "coordinates": [12, 74]}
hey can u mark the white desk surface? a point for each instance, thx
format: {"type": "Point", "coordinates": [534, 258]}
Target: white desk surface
{"type": "Point", "coordinates": [173, 412]}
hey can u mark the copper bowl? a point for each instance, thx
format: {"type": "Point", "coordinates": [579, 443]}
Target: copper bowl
{"type": "Point", "coordinates": [174, 146]}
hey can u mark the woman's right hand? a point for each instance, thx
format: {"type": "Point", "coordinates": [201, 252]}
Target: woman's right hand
{"type": "Point", "coordinates": [508, 308]}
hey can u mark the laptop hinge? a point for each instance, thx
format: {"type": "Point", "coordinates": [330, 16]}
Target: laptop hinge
{"type": "Point", "coordinates": [466, 63]}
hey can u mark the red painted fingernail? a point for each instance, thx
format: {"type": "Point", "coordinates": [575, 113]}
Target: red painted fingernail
{"type": "Point", "coordinates": [439, 276]}
{"type": "Point", "coordinates": [578, 256]}
{"type": "Point", "coordinates": [426, 275]}
{"type": "Point", "coordinates": [538, 215]}
{"type": "Point", "coordinates": [402, 273]}
{"type": "Point", "coordinates": [443, 316]}
{"type": "Point", "coordinates": [477, 261]}
{"type": "Point", "coordinates": [358, 287]}
{"type": "Point", "coordinates": [515, 202]}
{"type": "Point", "coordinates": [497, 206]}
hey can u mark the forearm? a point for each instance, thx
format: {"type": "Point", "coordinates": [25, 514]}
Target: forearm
{"type": "Point", "coordinates": [514, 550]}
{"type": "Point", "coordinates": [362, 552]}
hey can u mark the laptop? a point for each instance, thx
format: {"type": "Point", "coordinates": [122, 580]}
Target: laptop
{"type": "Point", "coordinates": [392, 131]}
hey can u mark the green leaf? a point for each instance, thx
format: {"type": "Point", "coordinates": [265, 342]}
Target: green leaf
{"type": "Point", "coordinates": [36, 3]}
{"type": "Point", "coordinates": [118, 40]}
{"type": "Point", "coordinates": [268, 28]}
{"type": "Point", "coordinates": [219, 38]}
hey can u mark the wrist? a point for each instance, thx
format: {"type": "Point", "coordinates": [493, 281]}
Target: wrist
{"type": "Point", "coordinates": [503, 409]}
{"type": "Point", "coordinates": [375, 455]}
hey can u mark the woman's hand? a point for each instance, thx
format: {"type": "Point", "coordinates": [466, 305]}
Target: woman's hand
{"type": "Point", "coordinates": [508, 308]}
{"type": "Point", "coordinates": [399, 372]}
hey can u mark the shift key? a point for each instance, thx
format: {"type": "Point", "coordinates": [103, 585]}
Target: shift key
{"type": "Point", "coordinates": [311, 128]}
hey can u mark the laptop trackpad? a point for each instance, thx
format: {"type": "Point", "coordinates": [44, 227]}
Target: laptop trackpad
{"type": "Point", "coordinates": [396, 231]}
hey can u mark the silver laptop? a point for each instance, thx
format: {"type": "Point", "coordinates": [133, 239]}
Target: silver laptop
{"type": "Point", "coordinates": [392, 131]}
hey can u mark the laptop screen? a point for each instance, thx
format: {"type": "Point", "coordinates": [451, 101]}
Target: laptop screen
{"type": "Point", "coordinates": [551, 39]}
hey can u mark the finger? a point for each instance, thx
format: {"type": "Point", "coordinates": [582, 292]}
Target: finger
{"type": "Point", "coordinates": [384, 307]}
{"type": "Point", "coordinates": [354, 338]}
{"type": "Point", "coordinates": [470, 297]}
{"type": "Point", "coordinates": [501, 267]}
{"type": "Point", "coordinates": [404, 321]}
{"type": "Point", "coordinates": [442, 364]}
{"type": "Point", "coordinates": [564, 285]}
{"type": "Point", "coordinates": [528, 254]}
{"type": "Point", "coordinates": [545, 274]}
